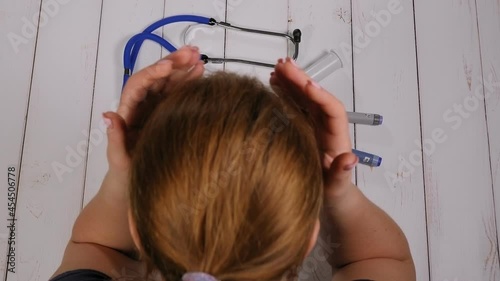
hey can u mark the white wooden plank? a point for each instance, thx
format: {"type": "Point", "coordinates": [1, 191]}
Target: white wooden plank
{"type": "Point", "coordinates": [385, 82]}
{"type": "Point", "coordinates": [460, 214]}
{"type": "Point", "coordinates": [325, 25]}
{"type": "Point", "coordinates": [117, 27]}
{"type": "Point", "coordinates": [120, 21]}
{"type": "Point", "coordinates": [18, 30]}
{"type": "Point", "coordinates": [209, 39]}
{"type": "Point", "coordinates": [257, 14]}
{"type": "Point", "coordinates": [59, 110]}
{"type": "Point", "coordinates": [489, 34]}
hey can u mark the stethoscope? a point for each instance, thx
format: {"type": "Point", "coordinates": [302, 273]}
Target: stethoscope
{"type": "Point", "coordinates": [134, 44]}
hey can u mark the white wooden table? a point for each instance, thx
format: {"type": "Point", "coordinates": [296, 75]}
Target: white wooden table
{"type": "Point", "coordinates": [429, 67]}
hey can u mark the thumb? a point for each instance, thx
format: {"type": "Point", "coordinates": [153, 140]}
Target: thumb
{"type": "Point", "coordinates": [339, 176]}
{"type": "Point", "coordinates": [118, 157]}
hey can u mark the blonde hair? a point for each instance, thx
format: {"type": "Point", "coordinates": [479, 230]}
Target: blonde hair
{"type": "Point", "coordinates": [226, 179]}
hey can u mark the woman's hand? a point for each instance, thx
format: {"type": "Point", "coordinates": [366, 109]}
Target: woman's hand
{"type": "Point", "coordinates": [376, 248]}
{"type": "Point", "coordinates": [136, 105]}
{"type": "Point", "coordinates": [331, 127]}
{"type": "Point", "coordinates": [137, 102]}
{"type": "Point", "coordinates": [103, 225]}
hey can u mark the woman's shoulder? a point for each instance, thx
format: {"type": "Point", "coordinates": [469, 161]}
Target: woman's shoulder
{"type": "Point", "coordinates": [81, 275]}
{"type": "Point", "coordinates": [92, 262]}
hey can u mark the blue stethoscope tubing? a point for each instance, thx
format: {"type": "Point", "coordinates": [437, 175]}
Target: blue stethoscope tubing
{"type": "Point", "coordinates": [134, 44]}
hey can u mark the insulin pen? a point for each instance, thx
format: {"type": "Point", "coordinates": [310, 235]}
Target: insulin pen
{"type": "Point", "coordinates": [365, 118]}
{"type": "Point", "coordinates": [367, 158]}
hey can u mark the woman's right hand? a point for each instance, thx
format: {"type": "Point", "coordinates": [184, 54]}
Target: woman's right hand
{"type": "Point", "coordinates": [331, 127]}
{"type": "Point", "coordinates": [375, 249]}
{"type": "Point", "coordinates": [139, 98]}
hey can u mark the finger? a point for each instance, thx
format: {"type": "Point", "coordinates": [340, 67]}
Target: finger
{"type": "Point", "coordinates": [274, 81]}
{"type": "Point", "coordinates": [138, 85]}
{"type": "Point", "coordinates": [294, 94]}
{"type": "Point", "coordinates": [183, 69]}
{"type": "Point", "coordinates": [289, 72]}
{"type": "Point", "coordinates": [118, 156]}
{"type": "Point", "coordinates": [340, 174]}
{"type": "Point", "coordinates": [335, 119]}
{"type": "Point", "coordinates": [153, 78]}
{"type": "Point", "coordinates": [329, 105]}
{"type": "Point", "coordinates": [185, 58]}
{"type": "Point", "coordinates": [327, 161]}
{"type": "Point", "coordinates": [194, 72]}
{"type": "Point", "coordinates": [273, 78]}
{"type": "Point", "coordinates": [335, 138]}
{"type": "Point", "coordinates": [283, 82]}
{"type": "Point", "coordinates": [286, 90]}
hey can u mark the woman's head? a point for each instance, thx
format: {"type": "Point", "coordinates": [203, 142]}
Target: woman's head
{"type": "Point", "coordinates": [226, 179]}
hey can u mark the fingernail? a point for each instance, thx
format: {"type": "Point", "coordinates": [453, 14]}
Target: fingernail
{"type": "Point", "coordinates": [194, 48]}
{"type": "Point", "coordinates": [164, 61]}
{"type": "Point", "coordinates": [108, 122]}
{"type": "Point", "coordinates": [280, 61]}
{"type": "Point", "coordinates": [314, 84]}
{"type": "Point", "coordinates": [290, 60]}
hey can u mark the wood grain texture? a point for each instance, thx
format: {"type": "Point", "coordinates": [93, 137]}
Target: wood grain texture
{"type": "Point", "coordinates": [457, 46]}
{"type": "Point", "coordinates": [488, 12]}
{"type": "Point", "coordinates": [60, 104]}
{"type": "Point", "coordinates": [325, 26]}
{"type": "Point", "coordinates": [460, 211]}
{"type": "Point", "coordinates": [209, 39]}
{"type": "Point", "coordinates": [18, 31]}
{"type": "Point", "coordinates": [385, 82]}
{"type": "Point", "coordinates": [272, 16]}
{"type": "Point", "coordinates": [120, 21]}
{"type": "Point", "coordinates": [117, 27]}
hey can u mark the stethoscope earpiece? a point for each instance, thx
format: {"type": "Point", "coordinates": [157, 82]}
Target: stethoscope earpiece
{"type": "Point", "coordinates": [134, 44]}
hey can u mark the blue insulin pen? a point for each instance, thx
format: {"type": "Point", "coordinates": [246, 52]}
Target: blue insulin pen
{"type": "Point", "coordinates": [368, 159]}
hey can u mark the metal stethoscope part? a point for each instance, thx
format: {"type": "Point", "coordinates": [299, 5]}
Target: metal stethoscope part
{"type": "Point", "coordinates": [134, 44]}
{"type": "Point", "coordinates": [295, 39]}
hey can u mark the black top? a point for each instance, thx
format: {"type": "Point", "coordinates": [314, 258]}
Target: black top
{"type": "Point", "coordinates": [82, 275]}
{"type": "Point", "coordinates": [92, 275]}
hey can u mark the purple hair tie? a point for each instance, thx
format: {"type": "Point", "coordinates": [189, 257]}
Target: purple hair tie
{"type": "Point", "coordinates": [198, 276]}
